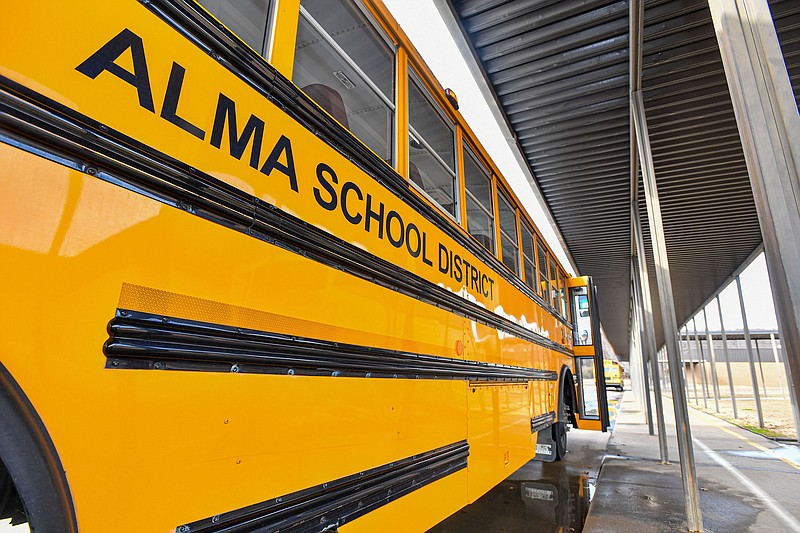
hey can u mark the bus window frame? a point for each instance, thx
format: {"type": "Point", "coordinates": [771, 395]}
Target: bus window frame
{"type": "Point", "coordinates": [468, 151]}
{"type": "Point", "coordinates": [506, 197]}
{"type": "Point", "coordinates": [304, 14]}
{"type": "Point", "coordinates": [534, 285]}
{"type": "Point", "coordinates": [453, 125]}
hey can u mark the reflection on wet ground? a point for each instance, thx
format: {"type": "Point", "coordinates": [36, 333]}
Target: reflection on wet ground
{"type": "Point", "coordinates": [542, 497]}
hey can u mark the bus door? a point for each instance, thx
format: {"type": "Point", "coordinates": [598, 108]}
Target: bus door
{"type": "Point", "coordinates": [590, 383]}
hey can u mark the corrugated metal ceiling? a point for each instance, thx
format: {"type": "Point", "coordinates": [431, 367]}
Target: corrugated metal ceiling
{"type": "Point", "coordinates": [559, 69]}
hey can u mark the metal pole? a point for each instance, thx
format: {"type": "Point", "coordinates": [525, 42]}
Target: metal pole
{"type": "Point", "coordinates": [703, 381]}
{"type": "Point", "coordinates": [691, 363]}
{"type": "Point", "coordinates": [641, 288]}
{"type": "Point", "coordinates": [642, 291]}
{"type": "Point", "coordinates": [691, 491]}
{"type": "Point", "coordinates": [760, 368]}
{"type": "Point", "coordinates": [766, 116]}
{"type": "Point", "coordinates": [778, 367]}
{"type": "Point", "coordinates": [750, 359]}
{"type": "Point", "coordinates": [714, 380]}
{"type": "Point", "coordinates": [637, 316]}
{"type": "Point", "coordinates": [727, 357]}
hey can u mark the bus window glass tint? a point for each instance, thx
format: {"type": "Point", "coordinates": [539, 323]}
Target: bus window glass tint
{"type": "Point", "coordinates": [554, 286]}
{"type": "Point", "coordinates": [344, 65]}
{"type": "Point", "coordinates": [431, 152]}
{"type": "Point", "coordinates": [508, 232]}
{"type": "Point", "coordinates": [248, 19]}
{"type": "Point", "coordinates": [544, 282]}
{"type": "Point", "coordinates": [480, 215]}
{"type": "Point", "coordinates": [528, 256]}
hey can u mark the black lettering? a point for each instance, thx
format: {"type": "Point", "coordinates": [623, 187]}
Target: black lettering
{"type": "Point", "coordinates": [485, 291]}
{"type": "Point", "coordinates": [394, 215]}
{"type": "Point", "coordinates": [169, 110]}
{"type": "Point", "coordinates": [491, 286]}
{"type": "Point", "coordinates": [104, 59]}
{"type": "Point", "coordinates": [473, 278]}
{"type": "Point", "coordinates": [254, 129]}
{"type": "Point", "coordinates": [457, 268]}
{"type": "Point", "coordinates": [425, 250]}
{"type": "Point", "coordinates": [444, 265]}
{"type": "Point", "coordinates": [374, 215]}
{"type": "Point", "coordinates": [413, 251]}
{"type": "Point", "coordinates": [273, 161]}
{"type": "Point", "coordinates": [467, 268]}
{"type": "Point", "coordinates": [323, 169]}
{"type": "Point", "coordinates": [347, 187]}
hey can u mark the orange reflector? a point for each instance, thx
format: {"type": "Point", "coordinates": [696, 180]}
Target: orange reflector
{"type": "Point", "coordinates": [451, 96]}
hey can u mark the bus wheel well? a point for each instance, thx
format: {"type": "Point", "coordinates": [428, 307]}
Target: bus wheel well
{"type": "Point", "coordinates": [567, 395]}
{"type": "Point", "coordinates": [33, 485]}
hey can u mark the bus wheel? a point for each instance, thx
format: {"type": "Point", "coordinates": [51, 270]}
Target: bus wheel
{"type": "Point", "coordinates": [560, 431]}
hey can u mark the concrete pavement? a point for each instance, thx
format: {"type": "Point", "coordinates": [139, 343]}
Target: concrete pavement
{"type": "Point", "coordinates": [748, 483]}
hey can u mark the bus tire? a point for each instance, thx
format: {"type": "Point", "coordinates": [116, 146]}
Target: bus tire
{"type": "Point", "coordinates": [29, 458]}
{"type": "Point", "coordinates": [560, 428]}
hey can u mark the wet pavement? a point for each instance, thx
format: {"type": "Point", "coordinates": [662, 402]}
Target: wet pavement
{"type": "Point", "coordinates": [542, 497]}
{"type": "Point", "coordinates": [747, 483]}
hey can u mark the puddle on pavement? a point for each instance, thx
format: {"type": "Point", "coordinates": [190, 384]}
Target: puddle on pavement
{"type": "Point", "coordinates": [545, 497]}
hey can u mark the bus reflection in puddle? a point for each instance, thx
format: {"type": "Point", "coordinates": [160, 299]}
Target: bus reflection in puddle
{"type": "Point", "coordinates": [558, 501]}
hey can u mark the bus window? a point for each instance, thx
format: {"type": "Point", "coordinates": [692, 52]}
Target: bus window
{"type": "Point", "coordinates": [544, 282]}
{"type": "Point", "coordinates": [248, 20]}
{"type": "Point", "coordinates": [348, 69]}
{"type": "Point", "coordinates": [528, 257]}
{"type": "Point", "coordinates": [508, 232]}
{"type": "Point", "coordinates": [562, 295]}
{"type": "Point", "coordinates": [431, 152]}
{"type": "Point", "coordinates": [582, 317]}
{"type": "Point", "coordinates": [554, 286]}
{"type": "Point", "coordinates": [480, 214]}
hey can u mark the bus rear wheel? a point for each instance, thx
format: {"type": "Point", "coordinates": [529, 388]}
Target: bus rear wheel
{"type": "Point", "coordinates": [560, 431]}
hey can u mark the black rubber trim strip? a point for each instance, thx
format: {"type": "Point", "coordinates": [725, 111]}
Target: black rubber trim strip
{"type": "Point", "coordinates": [34, 123]}
{"type": "Point", "coordinates": [227, 49]}
{"type": "Point", "coordinates": [145, 341]}
{"type": "Point", "coordinates": [329, 506]}
{"type": "Point", "coordinates": [543, 421]}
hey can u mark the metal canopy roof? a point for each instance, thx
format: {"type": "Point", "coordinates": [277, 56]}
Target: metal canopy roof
{"type": "Point", "coordinates": [559, 72]}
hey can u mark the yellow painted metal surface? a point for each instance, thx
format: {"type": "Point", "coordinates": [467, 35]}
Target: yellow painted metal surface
{"type": "Point", "coordinates": [188, 445]}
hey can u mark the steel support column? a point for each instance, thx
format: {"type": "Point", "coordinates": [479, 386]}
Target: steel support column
{"type": "Point", "coordinates": [714, 380]}
{"type": "Point", "coordinates": [683, 429]}
{"type": "Point", "coordinates": [638, 335]}
{"type": "Point", "coordinates": [769, 127]}
{"type": "Point", "coordinates": [727, 357]}
{"type": "Point", "coordinates": [750, 359]}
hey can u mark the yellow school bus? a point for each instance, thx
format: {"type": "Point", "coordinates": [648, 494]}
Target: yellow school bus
{"type": "Point", "coordinates": [613, 374]}
{"type": "Point", "coordinates": [258, 274]}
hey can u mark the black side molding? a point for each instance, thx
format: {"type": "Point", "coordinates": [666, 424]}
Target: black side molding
{"type": "Point", "coordinates": [140, 340]}
{"type": "Point", "coordinates": [329, 506]}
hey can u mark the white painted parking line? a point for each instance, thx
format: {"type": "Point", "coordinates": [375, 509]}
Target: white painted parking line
{"type": "Point", "coordinates": [765, 498]}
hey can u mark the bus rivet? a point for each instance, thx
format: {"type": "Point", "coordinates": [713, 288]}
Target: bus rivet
{"type": "Point", "coordinates": [238, 461]}
{"type": "Point", "coordinates": [227, 420]}
{"type": "Point", "coordinates": [114, 363]}
{"type": "Point", "coordinates": [182, 529]}
{"type": "Point", "coordinates": [279, 500]}
{"type": "Point", "coordinates": [91, 171]}
{"type": "Point", "coordinates": [215, 519]}
{"type": "Point", "coordinates": [158, 365]}
{"type": "Point", "coordinates": [235, 368]}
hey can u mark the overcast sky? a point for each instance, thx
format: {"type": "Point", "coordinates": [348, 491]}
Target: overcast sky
{"type": "Point", "coordinates": [422, 23]}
